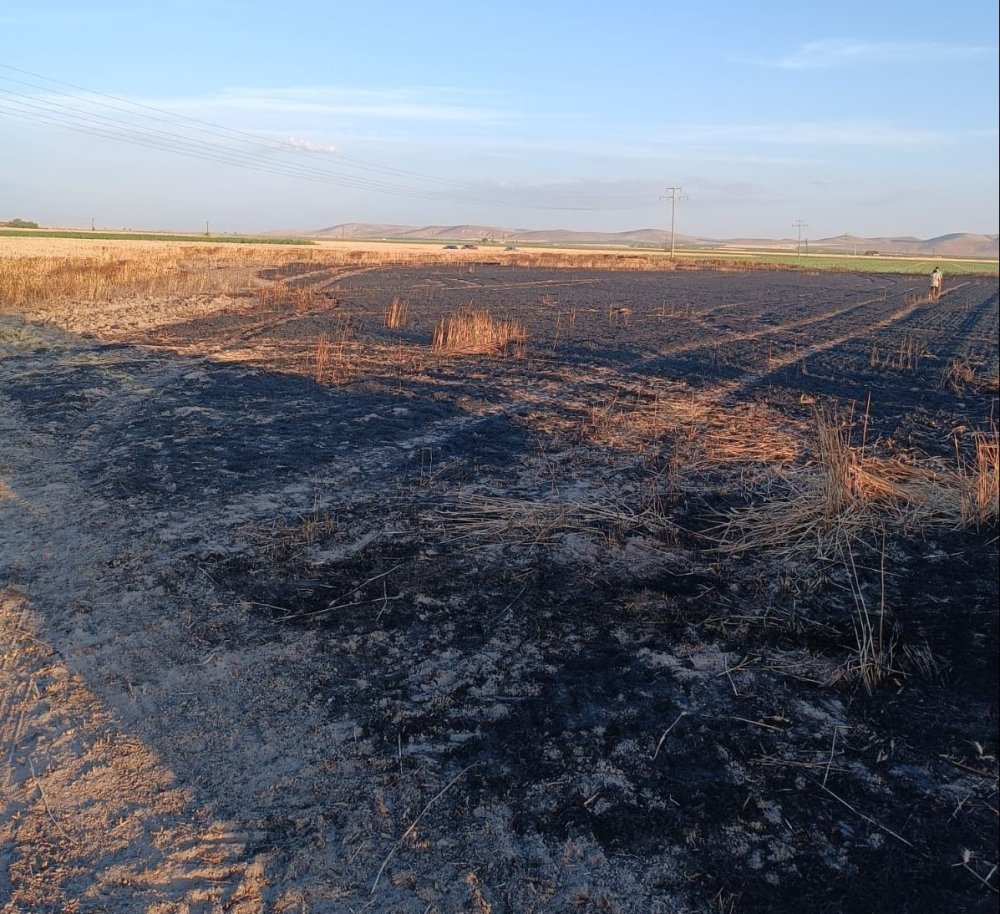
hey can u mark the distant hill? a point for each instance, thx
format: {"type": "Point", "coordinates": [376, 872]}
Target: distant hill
{"type": "Point", "coordinates": [963, 244]}
{"type": "Point", "coordinates": [958, 244]}
{"type": "Point", "coordinates": [376, 231]}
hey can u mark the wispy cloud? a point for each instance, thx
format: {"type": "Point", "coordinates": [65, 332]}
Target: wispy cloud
{"type": "Point", "coordinates": [594, 195]}
{"type": "Point", "coordinates": [301, 145]}
{"type": "Point", "coordinates": [860, 133]}
{"type": "Point", "coordinates": [844, 52]}
{"type": "Point", "coordinates": [384, 104]}
{"type": "Point", "coordinates": [636, 194]}
{"type": "Point", "coordinates": [756, 142]}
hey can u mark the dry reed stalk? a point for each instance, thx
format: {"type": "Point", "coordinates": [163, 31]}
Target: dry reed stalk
{"type": "Point", "coordinates": [305, 298]}
{"type": "Point", "coordinates": [530, 522]}
{"type": "Point", "coordinates": [839, 463]}
{"type": "Point", "coordinates": [872, 661]}
{"type": "Point", "coordinates": [397, 314]}
{"type": "Point", "coordinates": [280, 294]}
{"type": "Point", "coordinates": [981, 498]}
{"type": "Point", "coordinates": [477, 332]}
{"type": "Point", "coordinates": [341, 363]}
{"type": "Point", "coordinates": [619, 314]}
{"type": "Point", "coordinates": [320, 358]}
{"type": "Point", "coordinates": [911, 351]}
{"type": "Point", "coordinates": [960, 375]}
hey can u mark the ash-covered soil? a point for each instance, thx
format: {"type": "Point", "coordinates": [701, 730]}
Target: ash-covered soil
{"type": "Point", "coordinates": [297, 614]}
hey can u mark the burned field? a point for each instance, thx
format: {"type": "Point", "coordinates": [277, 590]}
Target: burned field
{"type": "Point", "coordinates": [479, 588]}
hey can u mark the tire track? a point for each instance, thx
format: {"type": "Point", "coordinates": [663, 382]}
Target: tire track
{"type": "Point", "coordinates": [770, 331]}
{"type": "Point", "coordinates": [777, 364]}
{"type": "Point", "coordinates": [209, 347]}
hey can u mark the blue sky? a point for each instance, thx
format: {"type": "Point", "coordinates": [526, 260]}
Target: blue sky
{"type": "Point", "coordinates": [870, 118]}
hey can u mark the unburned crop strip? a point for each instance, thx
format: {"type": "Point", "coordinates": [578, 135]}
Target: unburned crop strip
{"type": "Point", "coordinates": [26, 281]}
{"type": "Point", "coordinates": [124, 270]}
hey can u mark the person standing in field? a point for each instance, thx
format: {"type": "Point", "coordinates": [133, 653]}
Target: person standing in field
{"type": "Point", "coordinates": [936, 277]}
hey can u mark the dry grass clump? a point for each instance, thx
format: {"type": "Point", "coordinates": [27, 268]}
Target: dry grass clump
{"type": "Point", "coordinates": [911, 351]}
{"type": "Point", "coordinates": [330, 362]}
{"type": "Point", "coordinates": [300, 298]}
{"type": "Point", "coordinates": [843, 496]}
{"type": "Point", "coordinates": [397, 314]}
{"type": "Point", "coordinates": [631, 423]}
{"type": "Point", "coordinates": [529, 522]}
{"type": "Point", "coordinates": [846, 502]}
{"type": "Point", "coordinates": [981, 495]}
{"type": "Point", "coordinates": [872, 659]}
{"type": "Point", "coordinates": [961, 376]}
{"type": "Point", "coordinates": [321, 357]}
{"type": "Point", "coordinates": [708, 435]}
{"type": "Point", "coordinates": [476, 331]}
{"type": "Point", "coordinates": [746, 437]}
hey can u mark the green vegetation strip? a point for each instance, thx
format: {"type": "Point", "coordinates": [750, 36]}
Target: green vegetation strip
{"type": "Point", "coordinates": [747, 259]}
{"type": "Point", "coordinates": [150, 236]}
{"type": "Point", "coordinates": [852, 264]}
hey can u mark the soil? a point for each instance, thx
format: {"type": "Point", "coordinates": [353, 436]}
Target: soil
{"type": "Point", "coordinates": [297, 614]}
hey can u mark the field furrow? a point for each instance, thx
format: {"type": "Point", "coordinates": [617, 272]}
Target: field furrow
{"type": "Point", "coordinates": [657, 591]}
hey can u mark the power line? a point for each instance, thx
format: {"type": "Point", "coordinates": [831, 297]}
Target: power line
{"type": "Point", "coordinates": [118, 119]}
{"type": "Point", "coordinates": [100, 126]}
{"type": "Point", "coordinates": [248, 156]}
{"type": "Point", "coordinates": [208, 127]}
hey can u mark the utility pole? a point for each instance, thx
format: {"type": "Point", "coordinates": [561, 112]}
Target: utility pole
{"type": "Point", "coordinates": [799, 224]}
{"type": "Point", "coordinates": [206, 228]}
{"type": "Point", "coordinates": [673, 195]}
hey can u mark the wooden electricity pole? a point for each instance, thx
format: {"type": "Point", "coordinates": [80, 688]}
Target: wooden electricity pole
{"type": "Point", "coordinates": [673, 195]}
{"type": "Point", "coordinates": [799, 224]}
